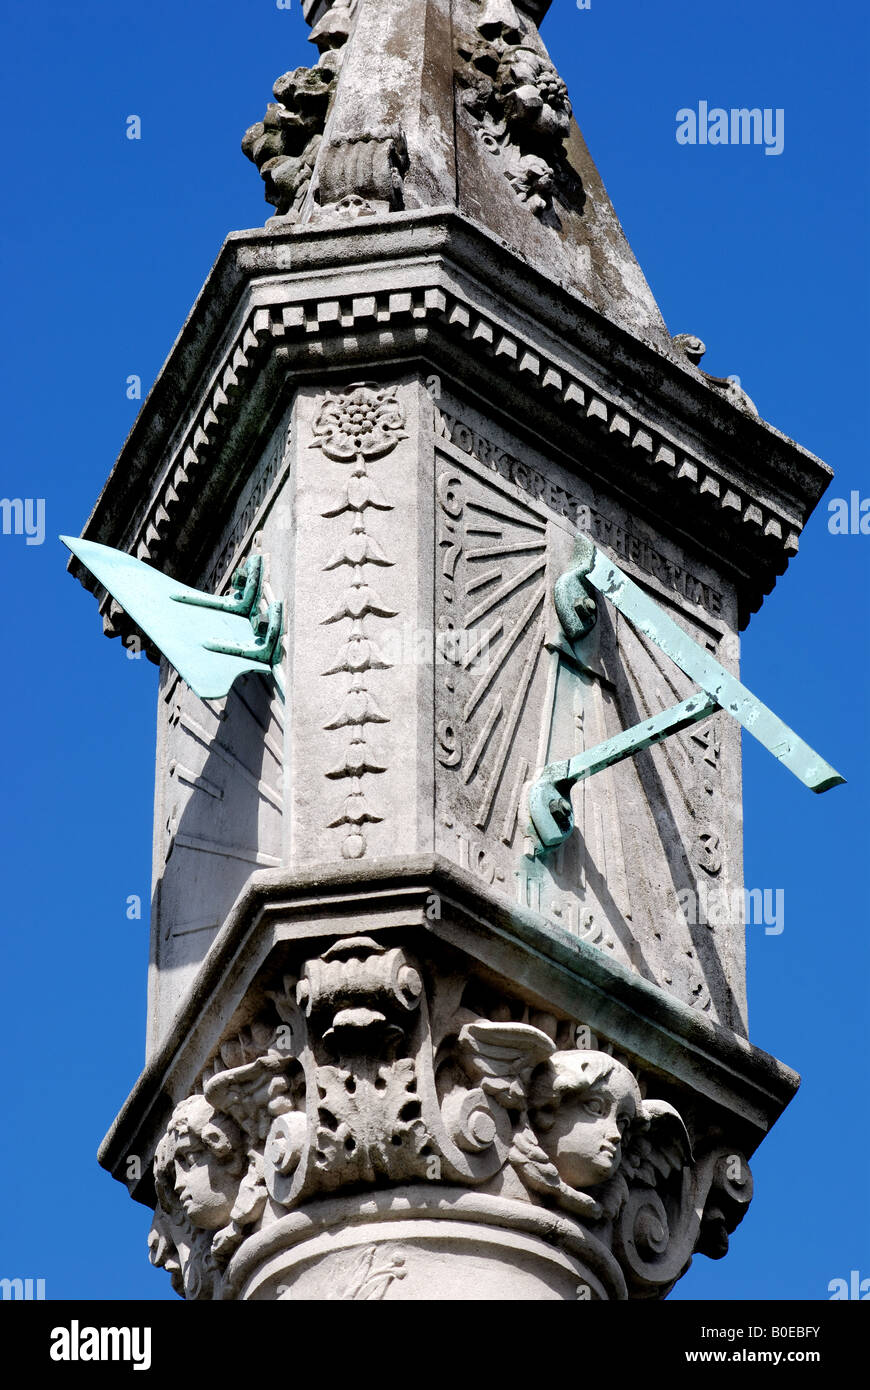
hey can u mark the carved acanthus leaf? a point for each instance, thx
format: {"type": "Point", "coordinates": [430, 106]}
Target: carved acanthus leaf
{"type": "Point", "coordinates": [353, 1092]}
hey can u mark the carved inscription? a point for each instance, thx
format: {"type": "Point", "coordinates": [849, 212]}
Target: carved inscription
{"type": "Point", "coordinates": [628, 546]}
{"type": "Point", "coordinates": [253, 509]}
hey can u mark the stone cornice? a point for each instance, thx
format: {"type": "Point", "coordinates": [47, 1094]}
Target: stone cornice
{"type": "Point", "coordinates": [742, 1084]}
{"type": "Point", "coordinates": [434, 287]}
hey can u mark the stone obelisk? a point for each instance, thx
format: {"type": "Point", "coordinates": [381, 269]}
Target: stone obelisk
{"type": "Point", "coordinates": [393, 1053]}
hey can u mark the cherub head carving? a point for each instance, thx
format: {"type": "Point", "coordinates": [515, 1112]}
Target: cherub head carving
{"type": "Point", "coordinates": [199, 1163]}
{"type": "Point", "coordinates": [582, 1106]}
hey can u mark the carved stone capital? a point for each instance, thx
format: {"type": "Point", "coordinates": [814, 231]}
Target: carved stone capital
{"type": "Point", "coordinates": [386, 1118]}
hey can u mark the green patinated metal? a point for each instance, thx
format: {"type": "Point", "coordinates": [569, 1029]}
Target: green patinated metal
{"type": "Point", "coordinates": [549, 805]}
{"type": "Point", "coordinates": [210, 640]}
{"type": "Point", "coordinates": [245, 598]}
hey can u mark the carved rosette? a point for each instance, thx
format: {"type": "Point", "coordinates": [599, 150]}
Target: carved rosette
{"type": "Point", "coordinates": [354, 428]}
{"type": "Point", "coordinates": [372, 1112]}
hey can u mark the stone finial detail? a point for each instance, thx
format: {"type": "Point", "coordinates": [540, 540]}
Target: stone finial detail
{"type": "Point", "coordinates": [285, 144]}
{"type": "Point", "coordinates": [357, 174]}
{"type": "Point", "coordinates": [521, 111]}
{"type": "Point", "coordinates": [333, 28]}
{"type": "Point", "coordinates": [368, 1075]}
{"type": "Point", "coordinates": [694, 349]}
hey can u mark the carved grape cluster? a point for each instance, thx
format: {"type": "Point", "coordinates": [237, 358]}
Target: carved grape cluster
{"type": "Point", "coordinates": [523, 115]}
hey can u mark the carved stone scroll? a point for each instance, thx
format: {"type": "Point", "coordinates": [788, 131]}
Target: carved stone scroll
{"type": "Point", "coordinates": [369, 1074]}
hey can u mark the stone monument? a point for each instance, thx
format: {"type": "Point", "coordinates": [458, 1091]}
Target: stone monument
{"type": "Point", "coordinates": [428, 1017]}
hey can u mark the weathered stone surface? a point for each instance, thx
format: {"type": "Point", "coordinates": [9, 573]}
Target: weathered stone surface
{"type": "Point", "coordinates": [392, 1052]}
{"type": "Point", "coordinates": [463, 109]}
{"type": "Point", "coordinates": [421, 543]}
{"type": "Point", "coordinates": [389, 1052]}
{"type": "Point", "coordinates": [351, 296]}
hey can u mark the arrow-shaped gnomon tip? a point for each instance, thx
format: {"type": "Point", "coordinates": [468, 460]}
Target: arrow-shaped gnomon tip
{"type": "Point", "coordinates": [209, 640]}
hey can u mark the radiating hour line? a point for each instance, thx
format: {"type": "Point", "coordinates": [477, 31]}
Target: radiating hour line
{"type": "Point", "coordinates": [507, 517]}
{"type": "Point", "coordinates": [474, 617]}
{"type": "Point", "coordinates": [191, 930]}
{"type": "Point", "coordinates": [510, 818]}
{"type": "Point", "coordinates": [648, 712]}
{"type": "Point", "coordinates": [201, 735]}
{"type": "Point", "coordinates": [483, 738]}
{"type": "Point", "coordinates": [482, 581]}
{"type": "Point", "coordinates": [483, 645]}
{"type": "Point", "coordinates": [250, 856]}
{"type": "Point", "coordinates": [490, 551]}
{"type": "Point", "coordinates": [498, 662]}
{"type": "Point", "coordinates": [535, 649]}
{"type": "Point", "coordinates": [196, 779]}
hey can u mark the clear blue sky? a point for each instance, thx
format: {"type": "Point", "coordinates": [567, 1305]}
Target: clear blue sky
{"type": "Point", "coordinates": [105, 245]}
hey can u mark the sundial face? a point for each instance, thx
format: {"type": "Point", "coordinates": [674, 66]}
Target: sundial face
{"type": "Point", "coordinates": [512, 696]}
{"type": "Point", "coordinates": [510, 703]}
{"type": "Point", "coordinates": [586, 771]}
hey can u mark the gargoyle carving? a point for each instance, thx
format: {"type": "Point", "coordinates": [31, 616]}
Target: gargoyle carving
{"type": "Point", "coordinates": [694, 349]}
